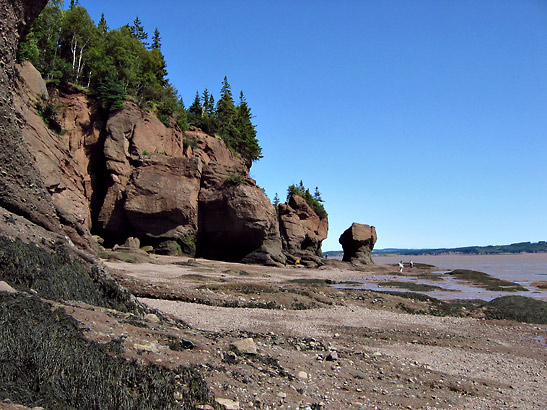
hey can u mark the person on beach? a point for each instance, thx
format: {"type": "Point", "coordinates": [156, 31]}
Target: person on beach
{"type": "Point", "coordinates": [401, 267]}
{"type": "Point", "coordinates": [411, 264]}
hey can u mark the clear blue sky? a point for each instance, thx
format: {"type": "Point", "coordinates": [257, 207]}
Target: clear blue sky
{"type": "Point", "coordinates": [425, 118]}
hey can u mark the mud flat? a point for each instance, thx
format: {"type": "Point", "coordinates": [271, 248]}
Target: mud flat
{"type": "Point", "coordinates": [314, 341]}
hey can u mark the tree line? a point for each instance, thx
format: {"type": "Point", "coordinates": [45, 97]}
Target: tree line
{"type": "Point", "coordinates": [66, 46]}
{"type": "Point", "coordinates": [313, 200]}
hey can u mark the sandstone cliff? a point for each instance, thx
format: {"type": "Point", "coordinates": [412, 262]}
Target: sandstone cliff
{"type": "Point", "coordinates": [127, 175]}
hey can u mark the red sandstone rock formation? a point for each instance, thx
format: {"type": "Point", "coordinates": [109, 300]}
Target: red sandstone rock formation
{"type": "Point", "coordinates": [129, 175]}
{"type": "Point", "coordinates": [302, 230]}
{"type": "Point", "coordinates": [357, 242]}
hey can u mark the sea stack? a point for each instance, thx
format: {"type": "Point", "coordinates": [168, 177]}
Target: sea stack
{"type": "Point", "coordinates": [357, 242]}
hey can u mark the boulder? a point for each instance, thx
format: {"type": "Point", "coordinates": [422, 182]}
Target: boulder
{"type": "Point", "coordinates": [357, 242]}
{"type": "Point", "coordinates": [302, 230]}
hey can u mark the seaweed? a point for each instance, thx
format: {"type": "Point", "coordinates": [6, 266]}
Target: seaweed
{"type": "Point", "coordinates": [59, 275]}
{"type": "Point", "coordinates": [519, 308]}
{"type": "Point", "coordinates": [45, 361]}
{"type": "Point", "coordinates": [415, 287]}
{"type": "Point", "coordinates": [486, 281]}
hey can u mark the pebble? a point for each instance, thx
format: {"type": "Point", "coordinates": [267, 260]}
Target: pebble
{"type": "Point", "coordinates": [227, 404]}
{"type": "Point", "coordinates": [247, 346]}
{"type": "Point", "coordinates": [302, 375]}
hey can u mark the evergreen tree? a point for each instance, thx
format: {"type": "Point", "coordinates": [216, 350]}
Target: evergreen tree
{"type": "Point", "coordinates": [102, 26]}
{"type": "Point", "coordinates": [312, 201]}
{"type": "Point", "coordinates": [226, 114]}
{"type": "Point", "coordinates": [247, 144]}
{"type": "Point", "coordinates": [156, 40]}
{"type": "Point", "coordinates": [196, 109]}
{"type": "Point", "coordinates": [317, 195]}
{"type": "Point", "coordinates": [208, 102]}
{"type": "Point", "coordinates": [137, 30]}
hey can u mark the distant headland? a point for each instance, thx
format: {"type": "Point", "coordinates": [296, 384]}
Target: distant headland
{"type": "Point", "coordinates": [521, 247]}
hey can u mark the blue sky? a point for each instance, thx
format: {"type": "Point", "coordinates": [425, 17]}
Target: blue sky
{"type": "Point", "coordinates": [425, 118]}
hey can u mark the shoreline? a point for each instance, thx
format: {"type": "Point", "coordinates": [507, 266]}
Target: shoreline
{"type": "Point", "coordinates": [320, 347]}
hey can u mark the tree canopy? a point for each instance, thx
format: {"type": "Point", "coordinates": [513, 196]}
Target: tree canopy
{"type": "Point", "coordinates": [314, 201]}
{"type": "Point", "coordinates": [65, 45]}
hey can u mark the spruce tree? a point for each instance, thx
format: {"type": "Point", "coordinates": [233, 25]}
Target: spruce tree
{"type": "Point", "coordinates": [102, 26]}
{"type": "Point", "coordinates": [156, 40]}
{"type": "Point", "coordinates": [137, 30]}
{"type": "Point", "coordinates": [196, 109]}
{"type": "Point", "coordinates": [247, 145]}
{"type": "Point", "coordinates": [208, 102]}
{"type": "Point", "coordinates": [226, 115]}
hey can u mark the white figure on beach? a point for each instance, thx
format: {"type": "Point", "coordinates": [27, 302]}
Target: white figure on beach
{"type": "Point", "coordinates": [401, 266]}
{"type": "Point", "coordinates": [411, 264]}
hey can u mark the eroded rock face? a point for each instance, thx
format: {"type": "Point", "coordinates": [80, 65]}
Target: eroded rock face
{"type": "Point", "coordinates": [21, 188]}
{"type": "Point", "coordinates": [129, 175]}
{"type": "Point", "coordinates": [357, 242]}
{"type": "Point", "coordinates": [302, 231]}
{"type": "Point", "coordinates": [162, 197]}
{"type": "Point", "coordinates": [124, 175]}
{"type": "Point", "coordinates": [237, 220]}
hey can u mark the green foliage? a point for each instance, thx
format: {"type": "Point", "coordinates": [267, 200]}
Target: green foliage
{"type": "Point", "coordinates": [110, 94]}
{"type": "Point", "coordinates": [190, 142]}
{"type": "Point", "coordinates": [48, 110]}
{"type": "Point", "coordinates": [66, 45]}
{"type": "Point", "coordinates": [236, 177]}
{"type": "Point", "coordinates": [164, 118]}
{"type": "Point", "coordinates": [276, 202]}
{"type": "Point", "coordinates": [314, 201]}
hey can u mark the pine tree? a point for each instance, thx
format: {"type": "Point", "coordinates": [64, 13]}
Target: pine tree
{"type": "Point", "coordinates": [208, 102]}
{"type": "Point", "coordinates": [196, 109]}
{"type": "Point", "coordinates": [317, 195]}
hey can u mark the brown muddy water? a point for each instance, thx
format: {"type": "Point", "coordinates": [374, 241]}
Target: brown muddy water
{"type": "Point", "coordinates": [528, 270]}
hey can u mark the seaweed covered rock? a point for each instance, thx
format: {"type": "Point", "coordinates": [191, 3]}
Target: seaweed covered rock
{"type": "Point", "coordinates": [357, 242]}
{"type": "Point", "coordinates": [519, 308]}
{"type": "Point", "coordinates": [58, 275]}
{"type": "Point", "coordinates": [64, 370]}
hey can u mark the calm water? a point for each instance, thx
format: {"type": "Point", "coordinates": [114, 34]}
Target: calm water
{"type": "Point", "coordinates": [524, 269]}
